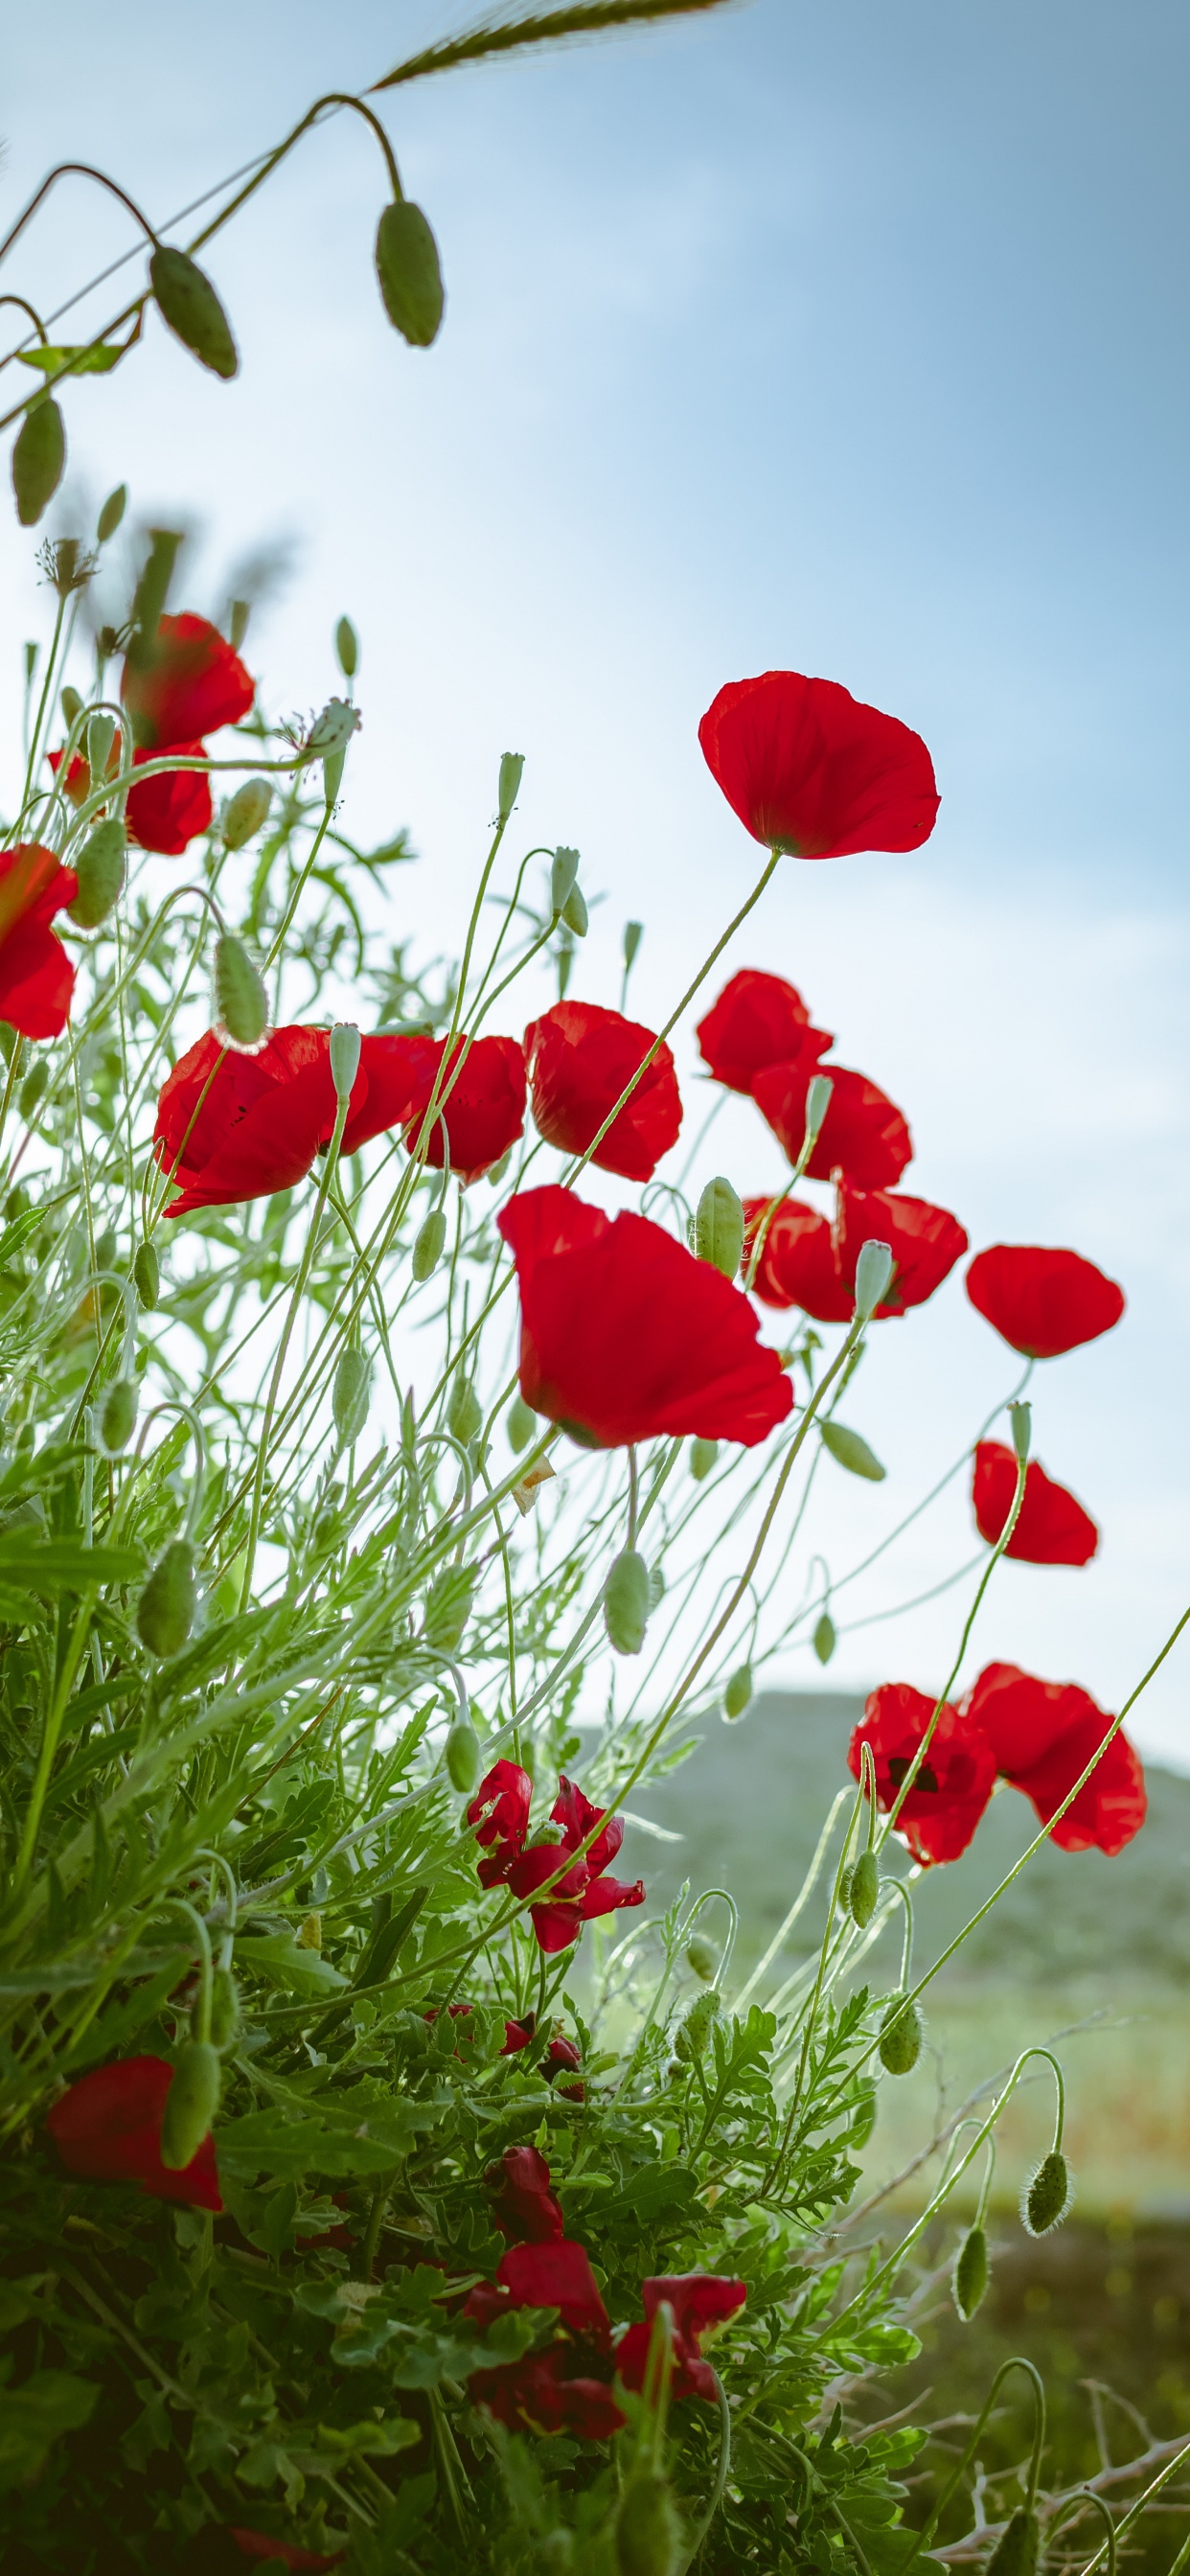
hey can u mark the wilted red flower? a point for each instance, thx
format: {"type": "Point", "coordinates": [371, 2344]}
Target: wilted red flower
{"type": "Point", "coordinates": [580, 1058]}
{"type": "Point", "coordinates": [232, 1127]}
{"type": "Point", "coordinates": [863, 1133]}
{"type": "Point", "coordinates": [545, 2389]}
{"type": "Point", "coordinates": [260, 2544]}
{"type": "Point", "coordinates": [188, 683]}
{"type": "Point", "coordinates": [758, 1019]}
{"type": "Point", "coordinates": [925, 1241]}
{"type": "Point", "coordinates": [1042, 1735]}
{"type": "Point", "coordinates": [1052, 1529]}
{"type": "Point", "coordinates": [519, 2035]}
{"type": "Point", "coordinates": [813, 771]}
{"type": "Point", "coordinates": [108, 2129]}
{"type": "Point", "coordinates": [499, 1812]}
{"type": "Point", "coordinates": [797, 1266]}
{"type": "Point", "coordinates": [526, 2208]}
{"type": "Point", "coordinates": [166, 813]}
{"type": "Point", "coordinates": [625, 1336]}
{"type": "Point", "coordinates": [1043, 1301]}
{"type": "Point", "coordinates": [700, 2301]}
{"type": "Point", "coordinates": [954, 1783]}
{"type": "Point", "coordinates": [36, 975]}
{"type": "Point", "coordinates": [484, 1112]}
{"type": "Point", "coordinates": [562, 2057]}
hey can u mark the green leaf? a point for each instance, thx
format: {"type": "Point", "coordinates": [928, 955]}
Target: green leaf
{"type": "Point", "coordinates": [82, 360]}
{"type": "Point", "coordinates": [850, 1451]}
{"type": "Point", "coordinates": [654, 2188]}
{"type": "Point", "coordinates": [35, 2415]}
{"type": "Point", "coordinates": [381, 2441]}
{"type": "Point", "coordinates": [276, 1955]}
{"type": "Point", "coordinates": [30, 1564]}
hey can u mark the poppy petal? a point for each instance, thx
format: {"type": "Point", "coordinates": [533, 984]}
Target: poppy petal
{"type": "Point", "coordinates": [955, 1781]}
{"type": "Point", "coordinates": [1052, 1527]}
{"type": "Point", "coordinates": [758, 1019]}
{"type": "Point", "coordinates": [813, 771]}
{"type": "Point", "coordinates": [863, 1133]}
{"type": "Point", "coordinates": [189, 683]}
{"type": "Point", "coordinates": [1042, 1300]}
{"type": "Point", "coordinates": [580, 1058]}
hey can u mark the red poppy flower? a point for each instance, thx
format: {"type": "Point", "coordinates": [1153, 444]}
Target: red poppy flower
{"type": "Point", "coordinates": [797, 1266]}
{"type": "Point", "coordinates": [232, 1127]}
{"type": "Point", "coordinates": [166, 813]}
{"type": "Point", "coordinates": [580, 1058]}
{"type": "Point", "coordinates": [562, 2057]}
{"type": "Point", "coordinates": [700, 2301]}
{"type": "Point", "coordinates": [499, 1812]}
{"type": "Point", "coordinates": [1053, 1529]}
{"type": "Point", "coordinates": [925, 1241]}
{"type": "Point", "coordinates": [1043, 1302]}
{"type": "Point", "coordinates": [758, 1019]}
{"type": "Point", "coordinates": [260, 2544]}
{"type": "Point", "coordinates": [1042, 1735]}
{"type": "Point", "coordinates": [585, 1891]}
{"type": "Point", "coordinates": [484, 1112]}
{"type": "Point", "coordinates": [625, 1336]}
{"type": "Point", "coordinates": [36, 975]}
{"type": "Point", "coordinates": [108, 2129]}
{"type": "Point", "coordinates": [954, 1783]}
{"type": "Point", "coordinates": [540, 2390]}
{"type": "Point", "coordinates": [526, 2208]}
{"type": "Point", "coordinates": [813, 771]}
{"type": "Point", "coordinates": [190, 684]}
{"type": "Point", "coordinates": [519, 2035]}
{"type": "Point", "coordinates": [862, 1134]}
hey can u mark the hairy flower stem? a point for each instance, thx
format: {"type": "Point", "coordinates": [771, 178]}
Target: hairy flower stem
{"type": "Point", "coordinates": [299, 1290]}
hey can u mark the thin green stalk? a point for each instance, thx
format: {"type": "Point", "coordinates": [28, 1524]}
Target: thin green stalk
{"type": "Point", "coordinates": [299, 1290]}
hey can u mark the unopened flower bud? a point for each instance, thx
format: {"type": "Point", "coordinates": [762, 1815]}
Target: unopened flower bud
{"type": "Point", "coordinates": [563, 872]}
{"type": "Point", "coordinates": [626, 1602]}
{"type": "Point", "coordinates": [427, 1249]}
{"type": "Point", "coordinates": [146, 1273]}
{"type": "Point", "coordinates": [738, 1694]}
{"type": "Point", "coordinates": [693, 2032]}
{"type": "Point", "coordinates": [187, 302]}
{"type": "Point", "coordinates": [99, 869]}
{"type": "Point", "coordinates": [969, 2278]}
{"type": "Point", "coordinates": [1020, 1419]}
{"type": "Point", "coordinates": [241, 1002]}
{"type": "Point", "coordinates": [111, 513]}
{"type": "Point", "coordinates": [719, 1227]}
{"type": "Point", "coordinates": [225, 2009]}
{"type": "Point", "coordinates": [101, 733]}
{"type": "Point", "coordinates": [1016, 2550]}
{"type": "Point", "coordinates": [245, 812]}
{"type": "Point", "coordinates": [850, 1451]}
{"type": "Point", "coordinates": [648, 2533]}
{"type": "Point", "coordinates": [1048, 2196]}
{"type": "Point", "coordinates": [864, 1888]}
{"type": "Point", "coordinates": [165, 1611]}
{"type": "Point", "coordinates": [873, 1271]}
{"type": "Point", "coordinates": [190, 2104]}
{"type": "Point", "coordinates": [574, 912]}
{"type": "Point", "coordinates": [520, 1422]}
{"type": "Point", "coordinates": [824, 1638]}
{"type": "Point", "coordinates": [464, 1412]}
{"type": "Point", "coordinates": [349, 1394]}
{"type": "Point", "coordinates": [72, 705]}
{"type": "Point", "coordinates": [237, 623]}
{"type": "Point", "coordinates": [463, 1755]}
{"type": "Point", "coordinates": [634, 932]}
{"type": "Point", "coordinates": [38, 459]}
{"type": "Point", "coordinates": [703, 1454]}
{"type": "Point", "coordinates": [347, 648]}
{"type": "Point", "coordinates": [899, 2044]}
{"type": "Point", "coordinates": [345, 1055]}
{"type": "Point", "coordinates": [32, 1089]}
{"type": "Point", "coordinates": [818, 1101]}
{"type": "Point", "coordinates": [117, 1416]}
{"type": "Point", "coordinates": [702, 1956]}
{"type": "Point", "coordinates": [409, 273]}
{"type": "Point", "coordinates": [512, 765]}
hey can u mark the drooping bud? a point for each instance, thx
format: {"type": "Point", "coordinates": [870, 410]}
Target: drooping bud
{"type": "Point", "coordinates": [409, 273]}
{"type": "Point", "coordinates": [719, 1227]}
{"type": "Point", "coordinates": [111, 513]}
{"type": "Point", "coordinates": [648, 2533]}
{"type": "Point", "coordinates": [190, 2104]}
{"type": "Point", "coordinates": [347, 648]}
{"type": "Point", "coordinates": [512, 767]}
{"type": "Point", "coordinates": [241, 1002]}
{"type": "Point", "coordinates": [563, 871]}
{"type": "Point", "coordinates": [702, 1956]}
{"type": "Point", "coordinates": [427, 1249]}
{"type": "Point", "coordinates": [463, 1756]}
{"type": "Point", "coordinates": [969, 2278]}
{"type": "Point", "coordinates": [345, 1055]}
{"type": "Point", "coordinates": [850, 1451]}
{"type": "Point", "coordinates": [117, 1416]}
{"type": "Point", "coordinates": [626, 1601]}
{"type": "Point", "coordinates": [349, 1394]}
{"type": "Point", "coordinates": [464, 1412]}
{"type": "Point", "coordinates": [824, 1638]}
{"type": "Point", "coordinates": [1048, 2196]}
{"type": "Point", "coordinates": [818, 1101]}
{"type": "Point", "coordinates": [32, 1089]}
{"type": "Point", "coordinates": [693, 2032]}
{"type": "Point", "coordinates": [165, 1611]}
{"type": "Point", "coordinates": [188, 304]}
{"type": "Point", "coordinates": [574, 912]}
{"type": "Point", "coordinates": [634, 932]}
{"type": "Point", "coordinates": [899, 2044]}
{"type": "Point", "coordinates": [146, 1273]}
{"type": "Point", "coordinates": [246, 811]}
{"type": "Point", "coordinates": [100, 869]}
{"type": "Point", "coordinates": [71, 704]}
{"type": "Point", "coordinates": [738, 1695]}
{"type": "Point", "coordinates": [38, 459]}
{"type": "Point", "coordinates": [238, 617]}
{"type": "Point", "coordinates": [520, 1422]}
{"type": "Point", "coordinates": [225, 2009]}
{"type": "Point", "coordinates": [864, 1888]}
{"type": "Point", "coordinates": [703, 1454]}
{"type": "Point", "coordinates": [873, 1272]}
{"type": "Point", "coordinates": [1020, 1419]}
{"type": "Point", "coordinates": [1016, 2550]}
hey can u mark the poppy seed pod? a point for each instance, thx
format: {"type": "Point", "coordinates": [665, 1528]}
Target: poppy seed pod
{"type": "Point", "coordinates": [99, 870]}
{"type": "Point", "coordinates": [349, 1394]}
{"type": "Point", "coordinates": [165, 1611]}
{"type": "Point", "coordinates": [824, 1638]}
{"type": "Point", "coordinates": [346, 1045]}
{"type": "Point", "coordinates": [520, 1423]}
{"type": "Point", "coordinates": [512, 767]}
{"type": "Point", "coordinates": [190, 2104]}
{"type": "Point", "coordinates": [850, 1451]}
{"type": "Point", "coordinates": [626, 1602]}
{"type": "Point", "coordinates": [409, 273]}
{"type": "Point", "coordinates": [37, 460]}
{"type": "Point", "coordinates": [693, 2032]}
{"type": "Point", "coordinates": [117, 1415]}
{"type": "Point", "coordinates": [574, 912]}
{"type": "Point", "coordinates": [111, 513]}
{"type": "Point", "coordinates": [101, 733]}
{"type": "Point", "coordinates": [1020, 1419]}
{"type": "Point", "coordinates": [873, 1271]}
{"type": "Point", "coordinates": [563, 871]}
{"type": "Point", "coordinates": [1015, 2553]}
{"type": "Point", "coordinates": [969, 2278]}
{"type": "Point", "coordinates": [146, 1273]}
{"type": "Point", "coordinates": [818, 1101]}
{"type": "Point", "coordinates": [703, 1454]}
{"type": "Point", "coordinates": [241, 1002]}
{"type": "Point", "coordinates": [246, 811]}
{"type": "Point", "coordinates": [864, 1888]}
{"type": "Point", "coordinates": [462, 1754]}
{"type": "Point", "coordinates": [702, 1956]}
{"type": "Point", "coordinates": [32, 1090]}
{"type": "Point", "coordinates": [347, 648]}
{"type": "Point", "coordinates": [738, 1694]}
{"type": "Point", "coordinates": [225, 2009]}
{"type": "Point", "coordinates": [719, 1227]}
{"type": "Point", "coordinates": [899, 2044]}
{"type": "Point", "coordinates": [648, 2533]}
{"type": "Point", "coordinates": [464, 1412]}
{"type": "Point", "coordinates": [188, 304]}
{"type": "Point", "coordinates": [428, 1244]}
{"type": "Point", "coordinates": [1048, 2196]}
{"type": "Point", "coordinates": [634, 932]}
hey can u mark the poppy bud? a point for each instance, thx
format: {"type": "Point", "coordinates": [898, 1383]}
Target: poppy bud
{"type": "Point", "coordinates": [843, 1899]}
{"type": "Point", "coordinates": [702, 1956]}
{"type": "Point", "coordinates": [703, 1454]}
{"type": "Point", "coordinates": [246, 811]}
{"type": "Point", "coordinates": [738, 1694]}
{"type": "Point", "coordinates": [1048, 2196]}
{"type": "Point", "coordinates": [349, 1394]}
{"type": "Point", "coordinates": [864, 1888]}
{"type": "Point", "coordinates": [818, 1101]}
{"type": "Point", "coordinates": [32, 1089]}
{"type": "Point", "coordinates": [188, 304]}
{"type": "Point", "coordinates": [563, 872]}
{"type": "Point", "coordinates": [512, 767]}
{"type": "Point", "coordinates": [225, 2009]}
{"type": "Point", "coordinates": [574, 912]}
{"type": "Point", "coordinates": [427, 1249]}
{"type": "Point", "coordinates": [969, 2278]}
{"type": "Point", "coordinates": [72, 706]}
{"type": "Point", "coordinates": [873, 1271]}
{"type": "Point", "coordinates": [347, 648]}
{"type": "Point", "coordinates": [520, 1423]}
{"type": "Point", "coordinates": [237, 622]}
{"type": "Point", "coordinates": [719, 1227]}
{"type": "Point", "coordinates": [101, 733]}
{"type": "Point", "coordinates": [847, 1448]}
{"type": "Point", "coordinates": [165, 1611]}
{"type": "Point", "coordinates": [1020, 1418]}
{"type": "Point", "coordinates": [463, 1755]}
{"type": "Point", "coordinates": [634, 932]}
{"type": "Point", "coordinates": [692, 2033]}
{"type": "Point", "coordinates": [117, 1418]}
{"type": "Point", "coordinates": [241, 1002]}
{"type": "Point", "coordinates": [37, 460]}
{"type": "Point", "coordinates": [190, 2104]}
{"type": "Point", "coordinates": [464, 1412]}
{"type": "Point", "coordinates": [824, 1638]}
{"type": "Point", "coordinates": [409, 274]}
{"type": "Point", "coordinates": [99, 869]}
{"type": "Point", "coordinates": [648, 2533]}
{"type": "Point", "coordinates": [111, 513]}
{"type": "Point", "coordinates": [1015, 2553]}
{"type": "Point", "coordinates": [345, 1055]}
{"type": "Point", "coordinates": [146, 1272]}
{"type": "Point", "coordinates": [899, 2044]}
{"type": "Point", "coordinates": [626, 1601]}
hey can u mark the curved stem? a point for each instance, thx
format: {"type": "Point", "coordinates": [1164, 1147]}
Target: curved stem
{"type": "Point", "coordinates": [81, 170]}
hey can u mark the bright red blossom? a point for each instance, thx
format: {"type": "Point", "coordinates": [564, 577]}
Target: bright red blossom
{"type": "Point", "coordinates": [500, 1810]}
{"type": "Point", "coordinates": [954, 1783]}
{"type": "Point", "coordinates": [483, 1108]}
{"type": "Point", "coordinates": [108, 2129]}
{"type": "Point", "coordinates": [566, 2387]}
{"type": "Point", "coordinates": [863, 1133]}
{"type": "Point", "coordinates": [810, 1263]}
{"type": "Point", "coordinates": [758, 1019]}
{"type": "Point", "coordinates": [625, 1336]}
{"type": "Point", "coordinates": [526, 2208]}
{"type": "Point", "coordinates": [190, 684]}
{"type": "Point", "coordinates": [166, 813]}
{"type": "Point", "coordinates": [813, 771]}
{"type": "Point", "coordinates": [232, 1127]}
{"type": "Point", "coordinates": [1042, 1735]}
{"type": "Point", "coordinates": [36, 975]}
{"type": "Point", "coordinates": [797, 1266]}
{"type": "Point", "coordinates": [580, 1058]}
{"type": "Point", "coordinates": [1052, 1528]}
{"type": "Point", "coordinates": [1043, 1301]}
{"type": "Point", "coordinates": [700, 2302]}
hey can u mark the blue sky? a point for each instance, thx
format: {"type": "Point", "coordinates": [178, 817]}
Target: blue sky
{"type": "Point", "coordinates": [848, 340]}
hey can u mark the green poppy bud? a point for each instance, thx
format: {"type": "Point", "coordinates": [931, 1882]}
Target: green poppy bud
{"type": "Point", "coordinates": [225, 2010]}
{"type": "Point", "coordinates": [824, 1638]}
{"type": "Point", "coordinates": [1048, 2196]}
{"type": "Point", "coordinates": [107, 1246]}
{"type": "Point", "coordinates": [347, 648]}
{"type": "Point", "coordinates": [719, 1227]}
{"type": "Point", "coordinates": [448, 1607]}
{"type": "Point", "coordinates": [1016, 2550]}
{"type": "Point", "coordinates": [146, 1273]}
{"type": "Point", "coordinates": [237, 622]}
{"type": "Point", "coordinates": [1020, 1420]}
{"type": "Point", "coordinates": [188, 304]}
{"type": "Point", "coordinates": [464, 1412]}
{"type": "Point", "coordinates": [703, 1454]}
{"type": "Point", "coordinates": [101, 734]}
{"type": "Point", "coordinates": [738, 1695]}
{"type": "Point", "coordinates": [899, 2044]}
{"type": "Point", "coordinates": [100, 869]}
{"type": "Point", "coordinates": [864, 1888]}
{"type": "Point", "coordinates": [32, 1090]}
{"type": "Point", "coordinates": [246, 811]}
{"type": "Point", "coordinates": [463, 1755]}
{"type": "Point", "coordinates": [165, 1611]}
{"type": "Point", "coordinates": [117, 1416]}
{"type": "Point", "coordinates": [843, 1896]}
{"type": "Point", "coordinates": [190, 2104]}
{"type": "Point", "coordinates": [111, 513]}
{"type": "Point", "coordinates": [873, 1271]}
{"type": "Point", "coordinates": [694, 2030]}
{"type": "Point", "coordinates": [969, 2278]}
{"type": "Point", "coordinates": [847, 1448]}
{"type": "Point", "coordinates": [349, 1394]}
{"type": "Point", "coordinates": [409, 273]}
{"type": "Point", "coordinates": [241, 1002]}
{"type": "Point", "coordinates": [702, 1956]}
{"type": "Point", "coordinates": [634, 932]}
{"type": "Point", "coordinates": [37, 460]}
{"type": "Point", "coordinates": [427, 1249]}
{"type": "Point", "coordinates": [563, 871]}
{"type": "Point", "coordinates": [626, 1601]}
{"type": "Point", "coordinates": [574, 912]}
{"type": "Point", "coordinates": [512, 767]}
{"type": "Point", "coordinates": [520, 1422]}
{"type": "Point", "coordinates": [346, 1045]}
{"type": "Point", "coordinates": [648, 2533]}
{"type": "Point", "coordinates": [818, 1101]}
{"type": "Point", "coordinates": [72, 706]}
